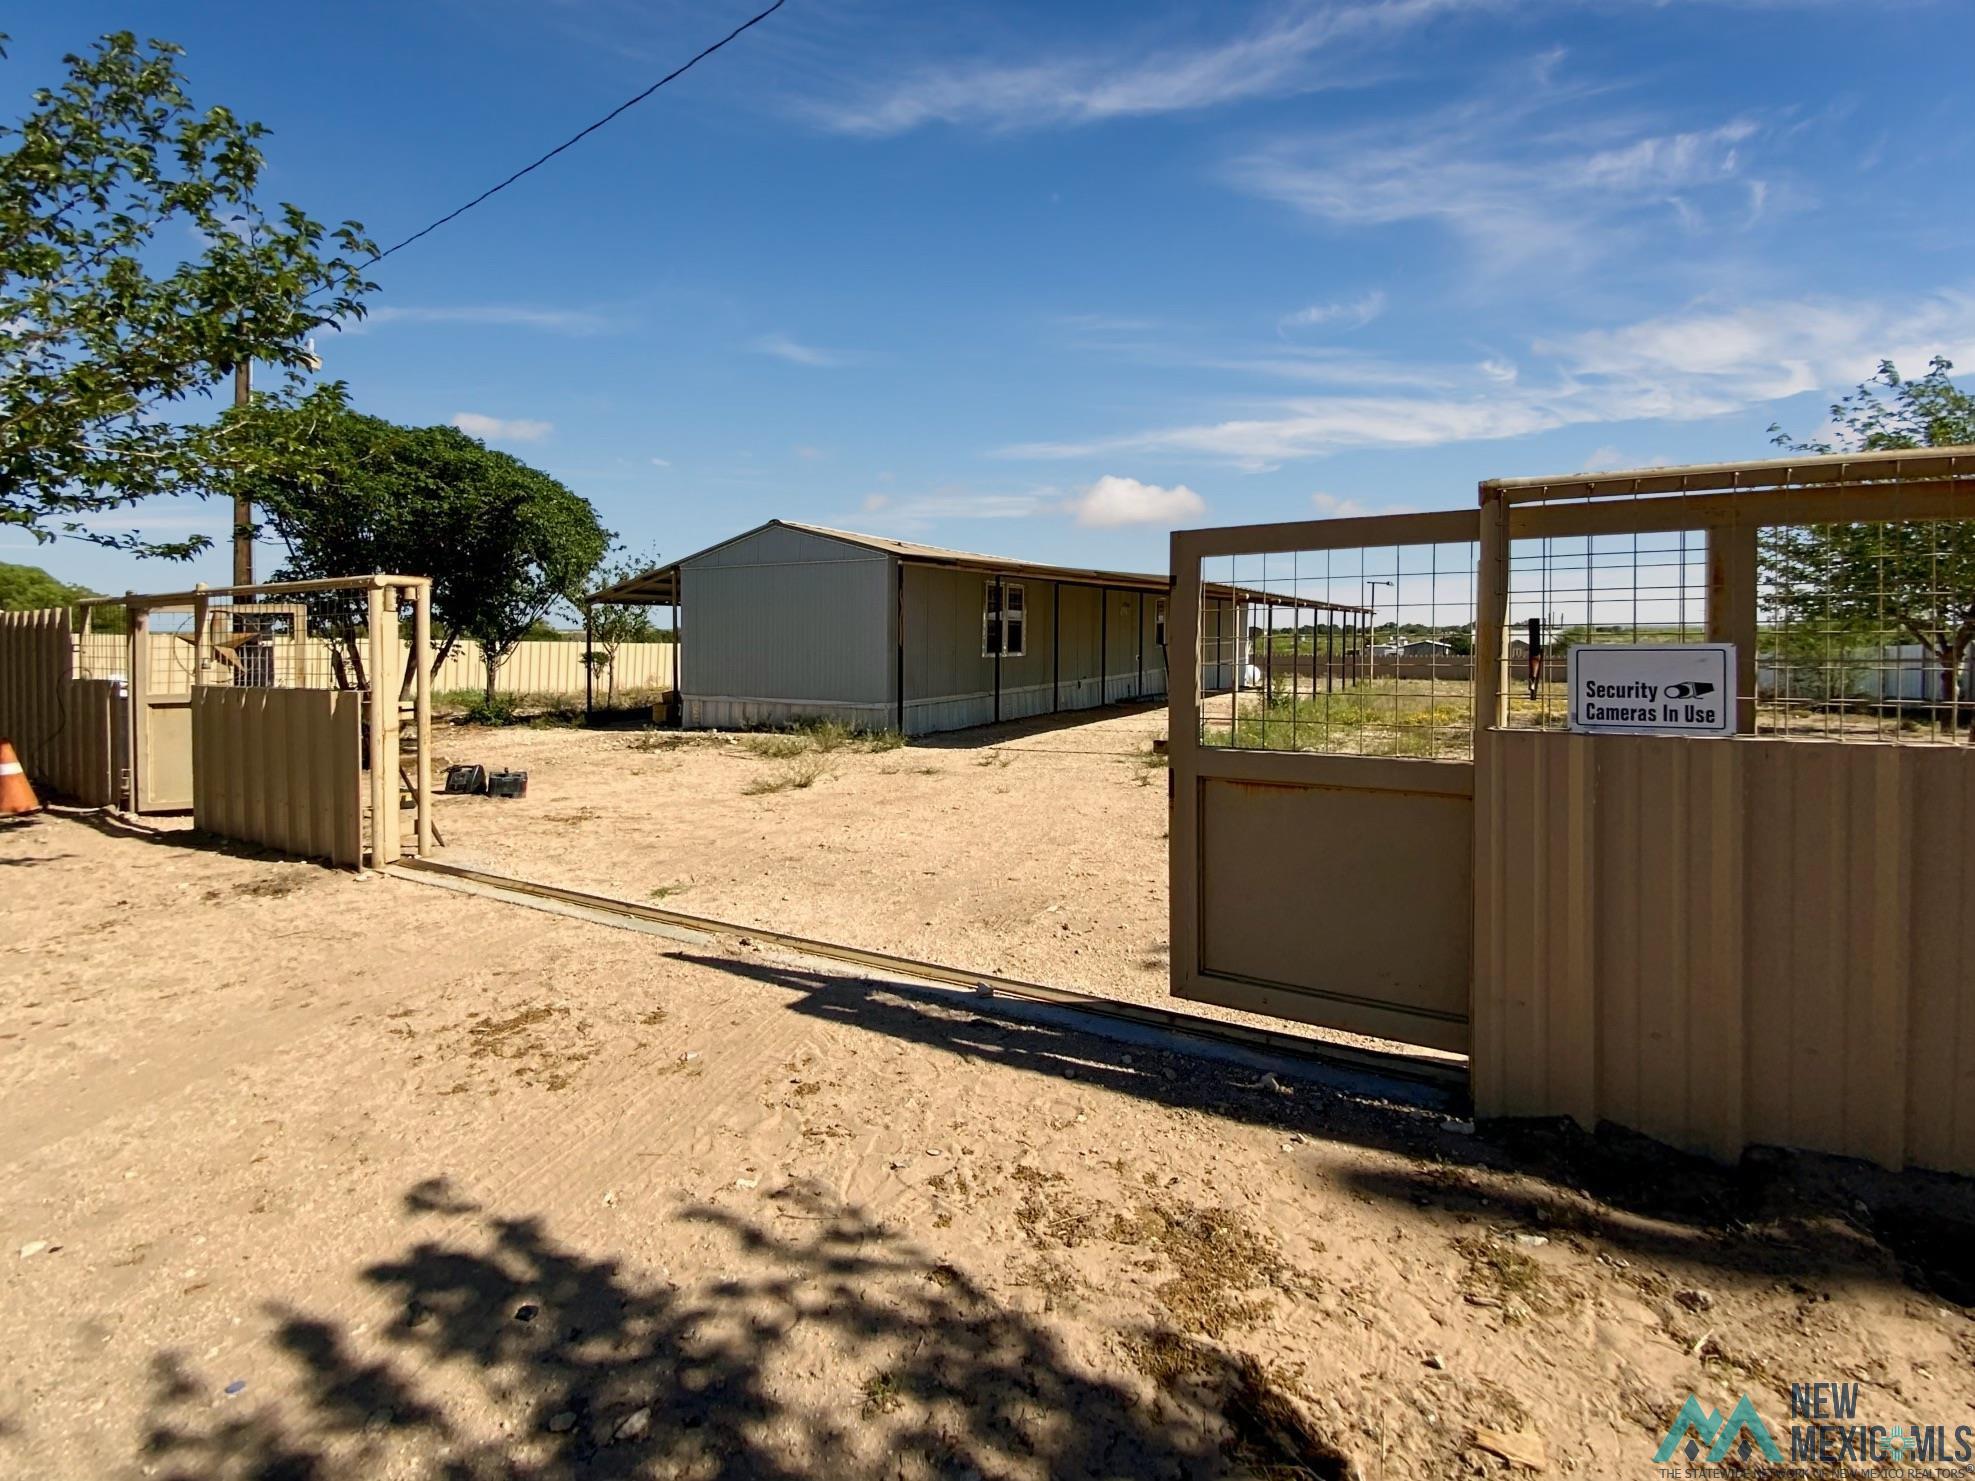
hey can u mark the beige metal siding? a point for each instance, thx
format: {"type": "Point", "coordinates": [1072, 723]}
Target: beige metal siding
{"type": "Point", "coordinates": [280, 768]}
{"type": "Point", "coordinates": [67, 731]}
{"type": "Point", "coordinates": [1722, 943]}
{"type": "Point", "coordinates": [949, 684]}
{"type": "Point", "coordinates": [782, 618]}
{"type": "Point", "coordinates": [1082, 608]}
{"type": "Point", "coordinates": [1337, 895]}
{"type": "Point", "coordinates": [535, 667]}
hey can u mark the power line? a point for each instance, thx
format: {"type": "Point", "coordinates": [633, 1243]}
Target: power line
{"type": "Point", "coordinates": [629, 103]}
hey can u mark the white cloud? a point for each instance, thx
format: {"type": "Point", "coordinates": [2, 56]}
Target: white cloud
{"type": "Point", "coordinates": [914, 513]}
{"type": "Point", "coordinates": [1301, 48]}
{"type": "Point", "coordinates": [809, 454]}
{"type": "Point", "coordinates": [661, 462]}
{"type": "Point", "coordinates": [1703, 362]}
{"type": "Point", "coordinates": [1350, 314]}
{"type": "Point", "coordinates": [501, 429]}
{"type": "Point", "coordinates": [1513, 187]}
{"type": "Point", "coordinates": [1501, 371]}
{"type": "Point", "coordinates": [1331, 506]}
{"type": "Point", "coordinates": [1125, 501]}
{"type": "Point", "coordinates": [516, 316]}
{"type": "Point", "coordinates": [782, 347]}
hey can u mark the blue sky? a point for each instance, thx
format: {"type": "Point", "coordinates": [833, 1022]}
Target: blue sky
{"type": "Point", "coordinates": [1049, 280]}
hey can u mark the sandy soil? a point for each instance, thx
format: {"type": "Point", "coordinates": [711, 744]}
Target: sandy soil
{"type": "Point", "coordinates": [311, 1175]}
{"type": "Point", "coordinates": [1027, 850]}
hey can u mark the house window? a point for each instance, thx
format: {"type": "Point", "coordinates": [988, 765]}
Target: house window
{"type": "Point", "coordinates": [1004, 621]}
{"type": "Point", "coordinates": [1159, 622]}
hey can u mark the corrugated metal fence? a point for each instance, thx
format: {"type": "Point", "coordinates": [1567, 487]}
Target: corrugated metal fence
{"type": "Point", "coordinates": [281, 768]}
{"type": "Point", "coordinates": [544, 667]}
{"type": "Point", "coordinates": [65, 729]}
{"type": "Point", "coordinates": [1724, 943]}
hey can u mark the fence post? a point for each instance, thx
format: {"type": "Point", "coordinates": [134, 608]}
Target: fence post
{"type": "Point", "coordinates": [1486, 1029]}
{"type": "Point", "coordinates": [421, 642]}
{"type": "Point", "coordinates": [383, 770]}
{"type": "Point", "coordinates": [1732, 578]}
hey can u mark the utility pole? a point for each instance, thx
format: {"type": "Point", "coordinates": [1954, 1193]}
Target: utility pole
{"type": "Point", "coordinates": [243, 507]}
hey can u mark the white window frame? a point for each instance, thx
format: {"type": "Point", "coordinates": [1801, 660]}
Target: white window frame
{"type": "Point", "coordinates": [994, 621]}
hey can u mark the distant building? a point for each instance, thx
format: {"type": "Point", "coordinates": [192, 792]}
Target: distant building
{"type": "Point", "coordinates": [793, 621]}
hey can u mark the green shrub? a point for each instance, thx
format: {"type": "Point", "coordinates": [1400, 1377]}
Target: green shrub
{"type": "Point", "coordinates": [500, 709]}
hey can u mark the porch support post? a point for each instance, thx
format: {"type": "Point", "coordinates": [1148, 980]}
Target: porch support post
{"type": "Point", "coordinates": [1055, 646]}
{"type": "Point", "coordinates": [898, 657]}
{"type": "Point", "coordinates": [1000, 638]}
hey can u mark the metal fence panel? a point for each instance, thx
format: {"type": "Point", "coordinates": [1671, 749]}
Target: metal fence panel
{"type": "Point", "coordinates": [536, 667]}
{"type": "Point", "coordinates": [1725, 943]}
{"type": "Point", "coordinates": [280, 768]}
{"type": "Point", "coordinates": [66, 730]}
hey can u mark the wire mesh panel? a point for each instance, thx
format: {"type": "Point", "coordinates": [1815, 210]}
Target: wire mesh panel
{"type": "Point", "coordinates": [1569, 590]}
{"type": "Point", "coordinates": [1358, 650]}
{"type": "Point", "coordinates": [1854, 631]}
{"type": "Point", "coordinates": [1866, 630]}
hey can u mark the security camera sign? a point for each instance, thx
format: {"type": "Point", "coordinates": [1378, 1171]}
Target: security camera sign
{"type": "Point", "coordinates": [1653, 688]}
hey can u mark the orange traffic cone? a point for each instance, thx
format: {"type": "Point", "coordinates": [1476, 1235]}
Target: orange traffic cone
{"type": "Point", "coordinates": [15, 793]}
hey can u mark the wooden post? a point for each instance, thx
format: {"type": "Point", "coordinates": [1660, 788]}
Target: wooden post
{"type": "Point", "coordinates": [382, 713]}
{"type": "Point", "coordinates": [1732, 563]}
{"type": "Point", "coordinates": [421, 639]}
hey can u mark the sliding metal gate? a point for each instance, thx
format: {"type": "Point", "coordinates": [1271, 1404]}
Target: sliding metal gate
{"type": "Point", "coordinates": [1322, 851]}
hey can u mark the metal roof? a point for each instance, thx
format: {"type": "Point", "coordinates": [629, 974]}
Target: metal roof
{"type": "Point", "coordinates": [660, 586]}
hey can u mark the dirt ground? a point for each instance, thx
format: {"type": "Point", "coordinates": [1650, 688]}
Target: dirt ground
{"type": "Point", "coordinates": [1034, 849]}
{"type": "Point", "coordinates": [312, 1175]}
{"type": "Point", "coordinates": [1026, 850]}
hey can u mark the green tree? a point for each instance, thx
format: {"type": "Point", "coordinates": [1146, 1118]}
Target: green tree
{"type": "Point", "coordinates": [345, 493]}
{"type": "Point", "coordinates": [613, 624]}
{"type": "Point", "coordinates": [29, 588]}
{"type": "Point", "coordinates": [1918, 578]}
{"type": "Point", "coordinates": [104, 328]}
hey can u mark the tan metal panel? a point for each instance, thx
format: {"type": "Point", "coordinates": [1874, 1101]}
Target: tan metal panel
{"type": "Point", "coordinates": [280, 768]}
{"type": "Point", "coordinates": [1775, 947]}
{"type": "Point", "coordinates": [1337, 905]}
{"type": "Point", "coordinates": [64, 728]}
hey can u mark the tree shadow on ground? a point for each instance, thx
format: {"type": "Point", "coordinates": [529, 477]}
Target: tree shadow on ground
{"type": "Point", "coordinates": [512, 1354]}
{"type": "Point", "coordinates": [1774, 1214]}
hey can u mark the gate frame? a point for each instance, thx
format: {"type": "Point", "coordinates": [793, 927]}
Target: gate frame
{"type": "Point", "coordinates": [1730, 502]}
{"type": "Point", "coordinates": [1191, 763]}
{"type": "Point", "coordinates": [384, 705]}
